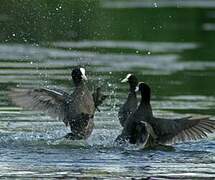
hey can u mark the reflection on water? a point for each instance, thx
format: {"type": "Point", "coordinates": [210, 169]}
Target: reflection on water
{"type": "Point", "coordinates": [169, 48]}
{"type": "Point", "coordinates": [155, 4]}
{"type": "Point", "coordinates": [139, 46]}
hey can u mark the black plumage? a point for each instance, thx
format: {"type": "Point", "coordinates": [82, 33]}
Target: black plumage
{"type": "Point", "coordinates": [163, 131]}
{"type": "Point", "coordinates": [75, 110]}
{"type": "Point", "coordinates": [130, 104]}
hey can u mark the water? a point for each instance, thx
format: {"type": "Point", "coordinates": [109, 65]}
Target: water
{"type": "Point", "coordinates": [167, 44]}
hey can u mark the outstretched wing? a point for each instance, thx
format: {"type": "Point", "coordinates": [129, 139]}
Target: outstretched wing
{"type": "Point", "coordinates": [51, 101]}
{"type": "Point", "coordinates": [179, 130]}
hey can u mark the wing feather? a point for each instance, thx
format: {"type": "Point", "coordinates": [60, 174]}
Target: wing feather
{"type": "Point", "coordinates": [179, 130]}
{"type": "Point", "coordinates": [51, 101]}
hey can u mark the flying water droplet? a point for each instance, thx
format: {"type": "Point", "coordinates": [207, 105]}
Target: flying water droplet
{"type": "Point", "coordinates": [155, 5]}
{"type": "Point", "coordinates": [109, 84]}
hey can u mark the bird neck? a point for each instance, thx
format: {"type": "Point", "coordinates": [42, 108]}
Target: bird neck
{"type": "Point", "coordinates": [131, 92]}
{"type": "Point", "coordinates": [145, 98]}
{"type": "Point", "coordinates": [132, 88]}
{"type": "Point", "coordinates": [146, 109]}
{"type": "Point", "coordinates": [145, 103]}
{"type": "Point", "coordinates": [132, 96]}
{"type": "Point", "coordinates": [78, 82]}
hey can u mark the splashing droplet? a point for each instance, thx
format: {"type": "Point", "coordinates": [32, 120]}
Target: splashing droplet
{"type": "Point", "coordinates": [155, 5]}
